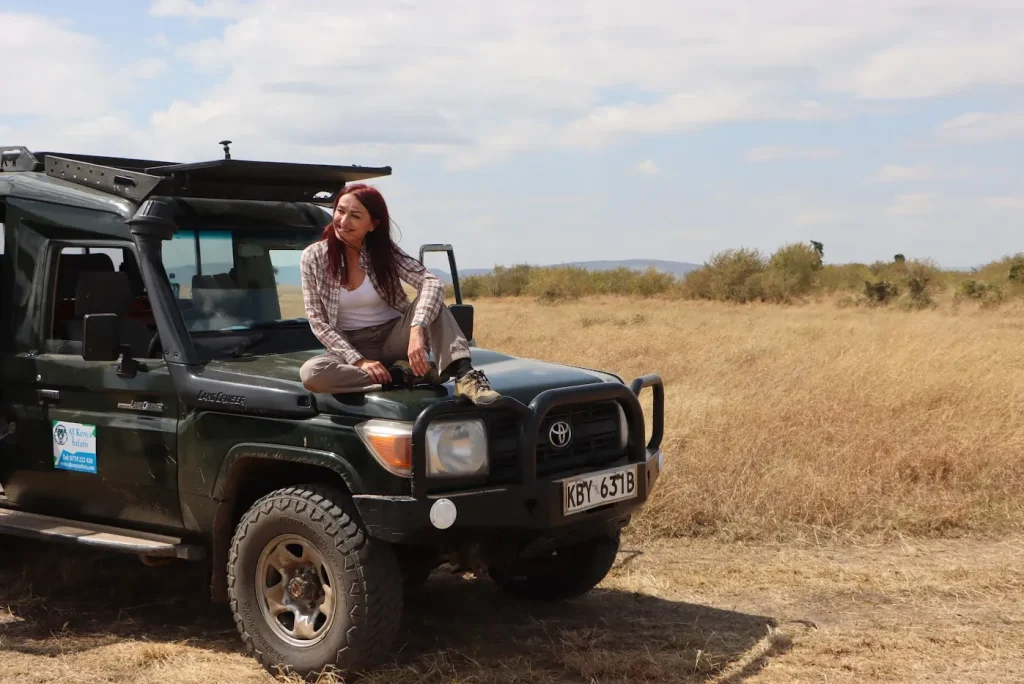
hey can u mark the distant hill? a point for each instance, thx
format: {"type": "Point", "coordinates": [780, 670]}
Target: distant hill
{"type": "Point", "coordinates": [676, 268]}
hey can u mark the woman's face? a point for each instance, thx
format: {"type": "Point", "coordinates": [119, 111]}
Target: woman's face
{"type": "Point", "coordinates": [351, 220]}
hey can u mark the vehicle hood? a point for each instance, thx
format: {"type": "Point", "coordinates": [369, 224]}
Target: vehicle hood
{"type": "Point", "coordinates": [519, 378]}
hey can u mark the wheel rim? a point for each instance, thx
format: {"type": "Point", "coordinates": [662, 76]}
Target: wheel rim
{"type": "Point", "coordinates": [296, 590]}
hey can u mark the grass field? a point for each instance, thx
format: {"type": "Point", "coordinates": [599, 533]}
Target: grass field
{"type": "Point", "coordinates": [843, 501]}
{"type": "Point", "coordinates": [808, 422]}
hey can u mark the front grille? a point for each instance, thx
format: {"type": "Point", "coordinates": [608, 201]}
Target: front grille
{"type": "Point", "coordinates": [595, 441]}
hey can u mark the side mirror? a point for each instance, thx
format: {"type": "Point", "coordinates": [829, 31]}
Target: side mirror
{"type": "Point", "coordinates": [101, 339]}
{"type": "Point", "coordinates": [463, 314]}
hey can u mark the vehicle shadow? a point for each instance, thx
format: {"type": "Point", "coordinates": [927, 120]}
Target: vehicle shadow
{"type": "Point", "coordinates": [66, 600]}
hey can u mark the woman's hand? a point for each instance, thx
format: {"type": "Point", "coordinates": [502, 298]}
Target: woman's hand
{"type": "Point", "coordinates": [375, 369]}
{"type": "Point", "coordinates": [418, 350]}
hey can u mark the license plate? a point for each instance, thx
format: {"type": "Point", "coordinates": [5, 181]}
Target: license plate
{"type": "Point", "coordinates": [597, 489]}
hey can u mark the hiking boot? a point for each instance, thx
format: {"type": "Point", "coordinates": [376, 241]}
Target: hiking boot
{"type": "Point", "coordinates": [404, 374]}
{"type": "Point", "coordinates": [475, 387]}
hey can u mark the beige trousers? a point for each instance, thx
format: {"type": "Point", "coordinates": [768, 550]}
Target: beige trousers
{"type": "Point", "coordinates": [387, 343]}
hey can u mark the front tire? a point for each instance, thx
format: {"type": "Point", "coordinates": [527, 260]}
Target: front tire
{"type": "Point", "coordinates": [309, 589]}
{"type": "Point", "coordinates": [565, 573]}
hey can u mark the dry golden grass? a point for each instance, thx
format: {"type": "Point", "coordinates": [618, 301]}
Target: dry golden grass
{"type": "Point", "coordinates": [815, 457]}
{"type": "Point", "coordinates": [807, 421]}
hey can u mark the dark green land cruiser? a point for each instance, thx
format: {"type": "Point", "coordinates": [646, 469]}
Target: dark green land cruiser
{"type": "Point", "coordinates": [152, 334]}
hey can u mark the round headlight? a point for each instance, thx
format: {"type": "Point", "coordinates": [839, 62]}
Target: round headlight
{"type": "Point", "coordinates": [457, 448]}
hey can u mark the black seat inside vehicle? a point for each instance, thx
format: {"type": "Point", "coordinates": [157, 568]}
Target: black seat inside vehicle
{"type": "Point", "coordinates": [109, 292]}
{"type": "Point", "coordinates": [71, 266]}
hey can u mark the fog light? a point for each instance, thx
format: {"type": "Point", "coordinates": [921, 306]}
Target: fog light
{"type": "Point", "coordinates": [442, 514]}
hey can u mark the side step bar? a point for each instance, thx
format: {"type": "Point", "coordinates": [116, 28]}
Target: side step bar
{"type": "Point", "coordinates": [48, 528]}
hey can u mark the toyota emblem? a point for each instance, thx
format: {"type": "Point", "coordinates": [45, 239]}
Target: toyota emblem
{"type": "Point", "coordinates": [560, 434]}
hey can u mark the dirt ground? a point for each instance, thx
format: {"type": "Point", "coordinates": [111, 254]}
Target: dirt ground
{"type": "Point", "coordinates": [704, 611]}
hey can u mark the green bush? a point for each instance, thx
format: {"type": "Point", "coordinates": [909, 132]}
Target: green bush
{"type": "Point", "coordinates": [792, 272]}
{"type": "Point", "coordinates": [919, 277]}
{"type": "Point", "coordinates": [798, 264]}
{"type": "Point", "coordinates": [879, 291]}
{"type": "Point", "coordinates": [725, 277]}
{"type": "Point", "coordinates": [843, 277]}
{"type": "Point", "coordinates": [986, 294]}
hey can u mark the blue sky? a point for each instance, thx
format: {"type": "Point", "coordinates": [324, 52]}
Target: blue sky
{"type": "Point", "coordinates": [544, 132]}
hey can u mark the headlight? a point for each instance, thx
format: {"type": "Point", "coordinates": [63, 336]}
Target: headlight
{"type": "Point", "coordinates": [390, 442]}
{"type": "Point", "coordinates": [457, 448]}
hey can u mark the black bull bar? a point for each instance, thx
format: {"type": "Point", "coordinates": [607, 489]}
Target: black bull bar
{"type": "Point", "coordinates": [532, 417]}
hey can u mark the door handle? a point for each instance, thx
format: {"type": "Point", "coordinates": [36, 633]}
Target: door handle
{"type": "Point", "coordinates": [48, 396]}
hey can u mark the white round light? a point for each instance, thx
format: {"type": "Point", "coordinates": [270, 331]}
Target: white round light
{"type": "Point", "coordinates": [442, 514]}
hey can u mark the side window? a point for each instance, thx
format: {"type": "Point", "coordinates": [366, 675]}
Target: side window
{"type": "Point", "coordinates": [91, 280]}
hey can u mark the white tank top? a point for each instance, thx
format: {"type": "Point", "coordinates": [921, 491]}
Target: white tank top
{"type": "Point", "coordinates": [363, 307]}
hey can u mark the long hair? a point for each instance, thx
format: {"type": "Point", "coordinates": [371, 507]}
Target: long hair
{"type": "Point", "coordinates": [379, 246]}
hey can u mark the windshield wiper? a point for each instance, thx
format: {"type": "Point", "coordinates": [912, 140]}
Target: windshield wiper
{"type": "Point", "coordinates": [245, 346]}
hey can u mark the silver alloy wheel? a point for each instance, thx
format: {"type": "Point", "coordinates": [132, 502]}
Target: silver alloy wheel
{"type": "Point", "coordinates": [296, 589]}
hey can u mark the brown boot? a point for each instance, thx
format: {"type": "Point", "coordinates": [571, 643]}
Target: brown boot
{"type": "Point", "coordinates": [403, 370]}
{"type": "Point", "coordinates": [475, 387]}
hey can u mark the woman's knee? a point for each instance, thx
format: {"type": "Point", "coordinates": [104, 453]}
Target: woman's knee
{"type": "Point", "coordinates": [312, 371]}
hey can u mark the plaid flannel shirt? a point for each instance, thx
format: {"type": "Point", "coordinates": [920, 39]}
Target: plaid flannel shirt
{"type": "Point", "coordinates": [320, 293]}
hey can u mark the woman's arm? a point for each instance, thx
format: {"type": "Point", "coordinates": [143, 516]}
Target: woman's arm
{"type": "Point", "coordinates": [430, 287]}
{"type": "Point", "coordinates": [313, 298]}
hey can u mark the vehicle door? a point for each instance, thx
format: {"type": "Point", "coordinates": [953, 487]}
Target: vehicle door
{"type": "Point", "coordinates": [91, 441]}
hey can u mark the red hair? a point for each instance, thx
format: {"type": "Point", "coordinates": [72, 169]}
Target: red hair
{"type": "Point", "coordinates": [379, 246]}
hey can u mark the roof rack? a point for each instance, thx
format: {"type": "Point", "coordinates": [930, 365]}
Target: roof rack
{"type": "Point", "coordinates": [138, 179]}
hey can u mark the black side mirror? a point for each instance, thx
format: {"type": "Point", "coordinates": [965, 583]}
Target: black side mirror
{"type": "Point", "coordinates": [101, 339]}
{"type": "Point", "coordinates": [463, 314]}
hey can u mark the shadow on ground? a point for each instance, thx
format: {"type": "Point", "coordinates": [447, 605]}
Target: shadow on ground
{"type": "Point", "coordinates": [63, 600]}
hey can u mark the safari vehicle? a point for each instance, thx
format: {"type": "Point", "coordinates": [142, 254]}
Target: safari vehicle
{"type": "Point", "coordinates": [152, 335]}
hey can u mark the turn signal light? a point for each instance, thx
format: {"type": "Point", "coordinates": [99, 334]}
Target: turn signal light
{"type": "Point", "coordinates": [390, 442]}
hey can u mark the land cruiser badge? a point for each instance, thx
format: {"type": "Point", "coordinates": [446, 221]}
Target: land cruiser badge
{"type": "Point", "coordinates": [235, 400]}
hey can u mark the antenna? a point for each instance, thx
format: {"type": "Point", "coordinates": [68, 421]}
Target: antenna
{"type": "Point", "coordinates": [227, 148]}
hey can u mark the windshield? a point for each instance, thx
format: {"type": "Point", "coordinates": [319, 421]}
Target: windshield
{"type": "Point", "coordinates": [237, 280]}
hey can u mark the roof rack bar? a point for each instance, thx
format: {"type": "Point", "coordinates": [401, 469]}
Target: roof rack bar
{"type": "Point", "coordinates": [133, 185]}
{"type": "Point", "coordinates": [230, 179]}
{"type": "Point", "coordinates": [113, 162]}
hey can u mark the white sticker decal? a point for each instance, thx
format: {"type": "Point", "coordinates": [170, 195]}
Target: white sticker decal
{"type": "Point", "coordinates": [74, 447]}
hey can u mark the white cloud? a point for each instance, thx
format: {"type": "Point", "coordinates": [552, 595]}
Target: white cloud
{"type": "Point", "coordinates": [1014, 202]}
{"type": "Point", "coordinates": [210, 9]}
{"type": "Point", "coordinates": [500, 80]}
{"type": "Point", "coordinates": [647, 167]}
{"type": "Point", "coordinates": [767, 153]}
{"type": "Point", "coordinates": [893, 173]}
{"type": "Point", "coordinates": [981, 127]}
{"type": "Point", "coordinates": [150, 68]}
{"type": "Point", "coordinates": [943, 63]}
{"type": "Point", "coordinates": [481, 83]}
{"type": "Point", "coordinates": [915, 204]}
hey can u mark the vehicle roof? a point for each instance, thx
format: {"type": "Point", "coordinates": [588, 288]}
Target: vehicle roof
{"type": "Point", "coordinates": [38, 186]}
{"type": "Point", "coordinates": [227, 189]}
{"type": "Point", "coordinates": [135, 180]}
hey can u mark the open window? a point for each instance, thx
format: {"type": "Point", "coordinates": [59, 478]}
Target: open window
{"type": "Point", "coordinates": [89, 279]}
